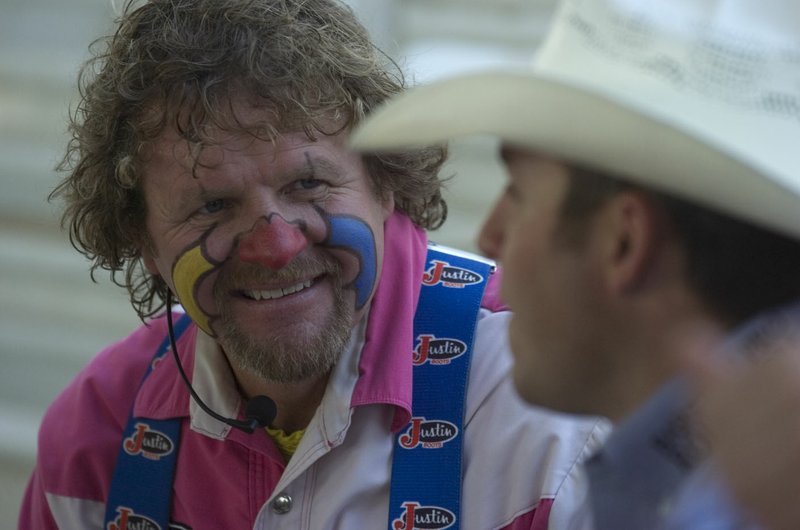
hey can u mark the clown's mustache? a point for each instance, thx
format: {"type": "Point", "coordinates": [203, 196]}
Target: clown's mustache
{"type": "Point", "coordinates": [246, 275]}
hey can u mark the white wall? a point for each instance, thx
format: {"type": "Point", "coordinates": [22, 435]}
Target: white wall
{"type": "Point", "coordinates": [52, 317]}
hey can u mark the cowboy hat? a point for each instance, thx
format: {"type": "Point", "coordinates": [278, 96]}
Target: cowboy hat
{"type": "Point", "coordinates": [700, 99]}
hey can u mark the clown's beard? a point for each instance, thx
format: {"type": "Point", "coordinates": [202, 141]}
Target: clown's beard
{"type": "Point", "coordinates": [282, 358]}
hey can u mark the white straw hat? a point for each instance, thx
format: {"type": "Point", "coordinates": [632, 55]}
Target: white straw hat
{"type": "Point", "coordinates": [699, 98]}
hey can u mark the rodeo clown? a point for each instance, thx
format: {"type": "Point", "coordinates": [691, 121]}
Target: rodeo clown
{"type": "Point", "coordinates": [308, 360]}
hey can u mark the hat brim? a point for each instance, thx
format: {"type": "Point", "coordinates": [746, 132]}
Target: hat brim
{"type": "Point", "coordinates": [582, 126]}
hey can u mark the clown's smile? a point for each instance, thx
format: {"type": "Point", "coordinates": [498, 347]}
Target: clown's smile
{"type": "Point", "coordinates": [272, 294]}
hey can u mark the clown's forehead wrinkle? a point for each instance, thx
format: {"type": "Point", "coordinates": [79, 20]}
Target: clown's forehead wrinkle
{"type": "Point", "coordinates": [208, 183]}
{"type": "Point", "coordinates": [226, 174]}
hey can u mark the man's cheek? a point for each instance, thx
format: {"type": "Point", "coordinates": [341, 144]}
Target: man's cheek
{"type": "Point", "coordinates": [355, 237]}
{"type": "Point", "coordinates": [193, 276]}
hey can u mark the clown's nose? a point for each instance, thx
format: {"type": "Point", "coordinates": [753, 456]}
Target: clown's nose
{"type": "Point", "coordinates": [272, 243]}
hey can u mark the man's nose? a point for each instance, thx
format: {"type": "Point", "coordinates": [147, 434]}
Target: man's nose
{"type": "Point", "coordinates": [490, 237]}
{"type": "Point", "coordinates": [272, 243]}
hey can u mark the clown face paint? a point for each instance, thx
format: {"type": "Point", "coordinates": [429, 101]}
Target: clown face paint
{"type": "Point", "coordinates": [354, 235]}
{"type": "Point", "coordinates": [188, 272]}
{"type": "Point", "coordinates": [348, 234]}
{"type": "Point", "coordinates": [274, 249]}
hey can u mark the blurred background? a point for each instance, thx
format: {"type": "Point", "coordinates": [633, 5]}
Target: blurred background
{"type": "Point", "coordinates": [53, 319]}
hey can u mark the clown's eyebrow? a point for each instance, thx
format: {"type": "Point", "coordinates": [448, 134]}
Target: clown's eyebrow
{"type": "Point", "coordinates": [188, 198]}
{"type": "Point", "coordinates": [322, 167]}
{"type": "Point", "coordinates": [198, 193]}
{"type": "Point", "coordinates": [313, 168]}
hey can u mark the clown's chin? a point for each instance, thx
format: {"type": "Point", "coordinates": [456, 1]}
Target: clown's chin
{"type": "Point", "coordinates": [305, 350]}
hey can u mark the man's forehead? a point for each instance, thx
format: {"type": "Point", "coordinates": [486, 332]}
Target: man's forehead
{"type": "Point", "coordinates": [510, 151]}
{"type": "Point", "coordinates": [172, 146]}
{"type": "Point", "coordinates": [293, 155]}
{"type": "Point", "coordinates": [513, 154]}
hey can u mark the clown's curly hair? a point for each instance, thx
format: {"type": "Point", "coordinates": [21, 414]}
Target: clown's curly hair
{"type": "Point", "coordinates": [179, 64]}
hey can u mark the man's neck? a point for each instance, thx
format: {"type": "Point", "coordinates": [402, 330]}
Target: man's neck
{"type": "Point", "coordinates": [672, 352]}
{"type": "Point", "coordinates": [296, 403]}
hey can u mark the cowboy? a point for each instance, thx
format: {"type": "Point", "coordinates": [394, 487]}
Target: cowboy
{"type": "Point", "coordinates": [294, 386]}
{"type": "Point", "coordinates": [651, 220]}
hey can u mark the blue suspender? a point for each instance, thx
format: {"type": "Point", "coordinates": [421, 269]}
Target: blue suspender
{"type": "Point", "coordinates": [426, 471]}
{"type": "Point", "coordinates": [141, 488]}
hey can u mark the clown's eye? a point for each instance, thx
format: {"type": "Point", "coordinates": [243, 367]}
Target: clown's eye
{"type": "Point", "coordinates": [213, 206]}
{"type": "Point", "coordinates": [309, 183]}
{"type": "Point", "coordinates": [308, 188]}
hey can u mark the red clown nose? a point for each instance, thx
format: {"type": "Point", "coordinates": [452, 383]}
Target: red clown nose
{"type": "Point", "coordinates": [272, 243]}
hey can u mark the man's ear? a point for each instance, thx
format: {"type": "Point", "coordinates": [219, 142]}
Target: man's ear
{"type": "Point", "coordinates": [634, 235]}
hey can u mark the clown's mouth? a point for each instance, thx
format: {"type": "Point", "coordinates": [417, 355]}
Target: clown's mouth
{"type": "Point", "coordinates": [272, 294]}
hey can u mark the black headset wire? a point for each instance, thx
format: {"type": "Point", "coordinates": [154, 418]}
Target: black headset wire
{"type": "Point", "coordinates": [258, 408]}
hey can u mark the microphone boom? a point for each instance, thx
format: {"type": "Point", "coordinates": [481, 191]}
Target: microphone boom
{"type": "Point", "coordinates": [260, 410]}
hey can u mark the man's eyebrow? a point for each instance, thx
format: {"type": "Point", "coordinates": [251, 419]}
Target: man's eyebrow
{"type": "Point", "coordinates": [187, 199]}
{"type": "Point", "coordinates": [321, 166]}
{"type": "Point", "coordinates": [190, 196]}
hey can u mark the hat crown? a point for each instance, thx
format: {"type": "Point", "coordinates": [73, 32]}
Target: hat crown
{"type": "Point", "coordinates": [698, 98]}
{"type": "Point", "coordinates": [724, 71]}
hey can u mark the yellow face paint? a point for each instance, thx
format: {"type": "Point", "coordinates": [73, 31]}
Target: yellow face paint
{"type": "Point", "coordinates": [187, 271]}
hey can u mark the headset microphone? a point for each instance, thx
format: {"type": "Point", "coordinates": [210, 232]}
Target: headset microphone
{"type": "Point", "coordinates": [260, 410]}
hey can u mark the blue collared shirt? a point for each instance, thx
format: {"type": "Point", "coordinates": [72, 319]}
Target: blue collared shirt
{"type": "Point", "coordinates": [652, 474]}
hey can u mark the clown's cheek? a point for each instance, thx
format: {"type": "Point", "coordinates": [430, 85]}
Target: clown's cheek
{"type": "Point", "coordinates": [354, 236]}
{"type": "Point", "coordinates": [193, 277]}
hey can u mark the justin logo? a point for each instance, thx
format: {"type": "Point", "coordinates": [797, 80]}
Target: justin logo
{"type": "Point", "coordinates": [417, 517]}
{"type": "Point", "coordinates": [148, 442]}
{"type": "Point", "coordinates": [431, 434]}
{"type": "Point", "coordinates": [437, 351]}
{"type": "Point", "coordinates": [128, 520]}
{"type": "Point", "coordinates": [442, 272]}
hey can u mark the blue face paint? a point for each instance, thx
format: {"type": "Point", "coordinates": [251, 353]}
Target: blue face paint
{"type": "Point", "coordinates": [354, 235]}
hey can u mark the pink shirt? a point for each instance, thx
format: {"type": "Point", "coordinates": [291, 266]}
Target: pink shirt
{"type": "Point", "coordinates": [517, 459]}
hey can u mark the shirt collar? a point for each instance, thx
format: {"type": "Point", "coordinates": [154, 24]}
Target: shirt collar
{"type": "Point", "coordinates": [385, 367]}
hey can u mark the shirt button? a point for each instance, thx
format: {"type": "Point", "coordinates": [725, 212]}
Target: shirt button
{"type": "Point", "coordinates": [282, 503]}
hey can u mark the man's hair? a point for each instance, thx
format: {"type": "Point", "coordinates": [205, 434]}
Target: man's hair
{"type": "Point", "coordinates": [736, 268]}
{"type": "Point", "coordinates": [179, 64]}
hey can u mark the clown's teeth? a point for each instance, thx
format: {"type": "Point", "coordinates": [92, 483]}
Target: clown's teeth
{"type": "Point", "coordinates": [272, 294]}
